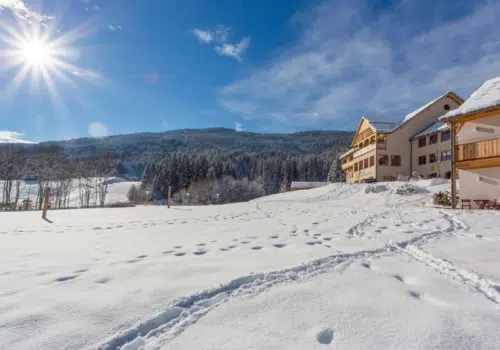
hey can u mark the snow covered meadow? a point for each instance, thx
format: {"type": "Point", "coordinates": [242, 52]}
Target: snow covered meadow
{"type": "Point", "coordinates": [332, 266]}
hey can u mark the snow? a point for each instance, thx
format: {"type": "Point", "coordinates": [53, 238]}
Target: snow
{"type": "Point", "coordinates": [434, 128]}
{"type": "Point", "coordinates": [347, 153]}
{"type": "Point", "coordinates": [382, 125]}
{"type": "Point", "coordinates": [305, 184]}
{"type": "Point", "coordinates": [419, 110]}
{"type": "Point", "coordinates": [331, 266]}
{"type": "Point", "coordinates": [117, 191]}
{"type": "Point", "coordinates": [486, 97]}
{"type": "Point", "coordinates": [12, 137]}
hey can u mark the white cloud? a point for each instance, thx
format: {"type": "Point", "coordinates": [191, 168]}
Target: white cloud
{"type": "Point", "coordinates": [204, 36]}
{"type": "Point", "coordinates": [349, 61]}
{"type": "Point", "coordinates": [115, 28]}
{"type": "Point", "coordinates": [97, 129]}
{"type": "Point", "coordinates": [21, 10]}
{"type": "Point", "coordinates": [234, 50]}
{"type": "Point", "coordinates": [218, 35]}
{"type": "Point", "coordinates": [11, 137]}
{"type": "Point", "coordinates": [238, 127]}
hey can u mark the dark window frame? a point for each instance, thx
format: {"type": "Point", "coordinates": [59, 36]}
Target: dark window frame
{"type": "Point", "coordinates": [424, 158]}
{"type": "Point", "coordinates": [433, 139]}
{"type": "Point", "coordinates": [448, 136]}
{"type": "Point", "coordinates": [383, 157]}
{"type": "Point", "coordinates": [431, 157]}
{"type": "Point", "coordinates": [422, 142]}
{"type": "Point", "coordinates": [393, 157]}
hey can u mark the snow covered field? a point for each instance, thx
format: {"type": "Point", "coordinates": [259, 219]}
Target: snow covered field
{"type": "Point", "coordinates": [331, 266]}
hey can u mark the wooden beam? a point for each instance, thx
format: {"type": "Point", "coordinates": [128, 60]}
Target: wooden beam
{"type": "Point", "coordinates": [453, 168]}
{"type": "Point", "coordinates": [474, 116]}
{"type": "Point", "coordinates": [491, 162]}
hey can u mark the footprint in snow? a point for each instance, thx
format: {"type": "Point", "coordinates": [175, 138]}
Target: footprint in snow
{"type": "Point", "coordinates": [279, 245]}
{"type": "Point", "coordinates": [325, 336]}
{"type": "Point", "coordinates": [180, 254]}
{"type": "Point", "coordinates": [414, 294]}
{"type": "Point", "coordinates": [103, 280]}
{"type": "Point", "coordinates": [141, 256]}
{"type": "Point", "coordinates": [178, 247]}
{"type": "Point", "coordinates": [168, 251]}
{"type": "Point", "coordinates": [274, 236]}
{"type": "Point", "coordinates": [65, 278]}
{"type": "Point", "coordinates": [245, 242]}
{"type": "Point", "coordinates": [224, 249]}
{"type": "Point", "coordinates": [367, 265]}
{"type": "Point", "coordinates": [199, 252]}
{"type": "Point", "coordinates": [201, 245]}
{"type": "Point", "coordinates": [256, 247]}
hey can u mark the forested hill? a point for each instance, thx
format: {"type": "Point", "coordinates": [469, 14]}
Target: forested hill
{"type": "Point", "coordinates": [208, 139]}
{"type": "Point", "coordinates": [134, 151]}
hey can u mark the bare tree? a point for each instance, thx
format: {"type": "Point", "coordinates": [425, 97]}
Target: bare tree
{"type": "Point", "coordinates": [105, 167]}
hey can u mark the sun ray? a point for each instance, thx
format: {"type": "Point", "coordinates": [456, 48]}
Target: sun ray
{"type": "Point", "coordinates": [42, 60]}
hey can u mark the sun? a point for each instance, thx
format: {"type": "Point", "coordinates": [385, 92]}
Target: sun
{"type": "Point", "coordinates": [36, 53]}
{"type": "Point", "coordinates": [44, 57]}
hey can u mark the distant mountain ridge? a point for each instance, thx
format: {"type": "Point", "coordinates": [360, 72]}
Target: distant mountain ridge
{"type": "Point", "coordinates": [135, 150]}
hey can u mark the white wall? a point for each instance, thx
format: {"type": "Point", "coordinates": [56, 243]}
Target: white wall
{"type": "Point", "coordinates": [469, 133]}
{"type": "Point", "coordinates": [471, 187]}
{"type": "Point", "coordinates": [426, 169]}
{"type": "Point", "coordinates": [398, 142]}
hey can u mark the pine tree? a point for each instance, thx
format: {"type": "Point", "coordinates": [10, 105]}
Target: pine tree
{"type": "Point", "coordinates": [336, 174]}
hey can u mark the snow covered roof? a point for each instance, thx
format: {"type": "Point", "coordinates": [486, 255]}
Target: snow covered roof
{"type": "Point", "coordinates": [427, 105]}
{"type": "Point", "coordinates": [382, 125]}
{"type": "Point", "coordinates": [484, 98]}
{"type": "Point", "coordinates": [434, 128]}
{"type": "Point", "coordinates": [305, 184]}
{"type": "Point", "coordinates": [347, 153]}
{"type": "Point", "coordinates": [12, 137]}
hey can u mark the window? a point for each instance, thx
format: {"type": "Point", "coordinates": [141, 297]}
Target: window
{"type": "Point", "coordinates": [355, 166]}
{"type": "Point", "coordinates": [422, 160]}
{"type": "Point", "coordinates": [422, 142]}
{"type": "Point", "coordinates": [446, 155]}
{"type": "Point", "coordinates": [383, 160]}
{"type": "Point", "coordinates": [446, 107]}
{"type": "Point", "coordinates": [445, 136]}
{"type": "Point", "coordinates": [361, 165]}
{"type": "Point", "coordinates": [432, 176]}
{"type": "Point", "coordinates": [432, 158]}
{"type": "Point", "coordinates": [433, 139]}
{"type": "Point", "coordinates": [372, 161]}
{"type": "Point", "coordinates": [395, 160]}
{"type": "Point", "coordinates": [366, 163]}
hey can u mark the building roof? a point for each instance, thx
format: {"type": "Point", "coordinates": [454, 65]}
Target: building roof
{"type": "Point", "coordinates": [381, 125]}
{"type": "Point", "coordinates": [485, 98]}
{"type": "Point", "coordinates": [434, 128]}
{"type": "Point", "coordinates": [347, 153]}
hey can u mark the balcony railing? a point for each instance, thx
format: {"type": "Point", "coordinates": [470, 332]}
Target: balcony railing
{"type": "Point", "coordinates": [347, 165]}
{"type": "Point", "coordinates": [364, 150]}
{"type": "Point", "coordinates": [477, 150]}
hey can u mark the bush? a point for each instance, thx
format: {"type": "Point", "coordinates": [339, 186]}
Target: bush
{"type": "Point", "coordinates": [442, 198]}
{"type": "Point", "coordinates": [406, 189]}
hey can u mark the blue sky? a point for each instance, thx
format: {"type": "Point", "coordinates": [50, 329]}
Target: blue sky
{"type": "Point", "coordinates": [268, 66]}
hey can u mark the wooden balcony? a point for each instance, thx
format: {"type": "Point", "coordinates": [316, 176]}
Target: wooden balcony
{"type": "Point", "coordinates": [482, 154]}
{"type": "Point", "coordinates": [364, 150]}
{"type": "Point", "coordinates": [347, 165]}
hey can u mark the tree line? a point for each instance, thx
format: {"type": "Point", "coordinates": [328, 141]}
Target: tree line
{"type": "Point", "coordinates": [26, 174]}
{"type": "Point", "coordinates": [261, 173]}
